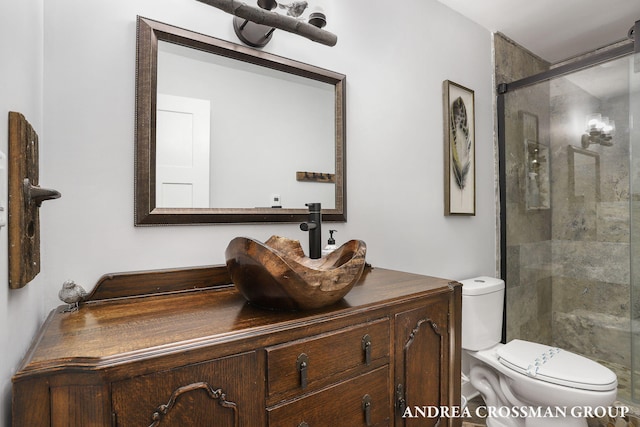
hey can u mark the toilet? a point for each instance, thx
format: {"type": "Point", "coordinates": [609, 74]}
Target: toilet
{"type": "Point", "coordinates": [525, 384]}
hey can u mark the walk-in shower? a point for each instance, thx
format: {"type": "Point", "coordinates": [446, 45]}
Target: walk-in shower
{"type": "Point", "coordinates": [570, 209]}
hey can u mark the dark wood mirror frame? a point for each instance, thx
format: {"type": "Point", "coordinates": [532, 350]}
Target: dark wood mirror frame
{"type": "Point", "coordinates": [149, 32]}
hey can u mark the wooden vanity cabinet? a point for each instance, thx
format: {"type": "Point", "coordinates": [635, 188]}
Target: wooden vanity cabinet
{"type": "Point", "coordinates": [183, 348]}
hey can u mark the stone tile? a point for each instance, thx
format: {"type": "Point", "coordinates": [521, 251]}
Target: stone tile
{"type": "Point", "coordinates": [524, 304]}
{"type": "Point", "coordinates": [571, 293]}
{"type": "Point", "coordinates": [601, 261]}
{"type": "Point", "coordinates": [613, 221]}
{"type": "Point", "coordinates": [595, 335]}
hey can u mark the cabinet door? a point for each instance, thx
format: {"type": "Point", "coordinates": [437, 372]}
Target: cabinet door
{"type": "Point", "coordinates": [421, 367]}
{"type": "Point", "coordinates": [226, 392]}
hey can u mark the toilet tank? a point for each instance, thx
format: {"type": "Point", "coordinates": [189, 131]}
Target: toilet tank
{"type": "Point", "coordinates": [482, 308]}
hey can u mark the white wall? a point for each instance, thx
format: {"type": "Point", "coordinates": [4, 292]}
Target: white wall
{"type": "Point", "coordinates": [395, 57]}
{"type": "Point", "coordinates": [21, 69]}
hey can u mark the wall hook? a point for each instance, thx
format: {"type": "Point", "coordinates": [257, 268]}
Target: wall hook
{"type": "Point", "coordinates": [36, 194]}
{"type": "Point", "coordinates": [25, 198]}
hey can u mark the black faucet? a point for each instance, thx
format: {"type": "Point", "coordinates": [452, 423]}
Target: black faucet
{"type": "Point", "coordinates": [314, 227]}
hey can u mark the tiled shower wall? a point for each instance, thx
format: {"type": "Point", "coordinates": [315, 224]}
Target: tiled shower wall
{"type": "Point", "coordinates": [528, 278]}
{"type": "Point", "coordinates": [590, 228]}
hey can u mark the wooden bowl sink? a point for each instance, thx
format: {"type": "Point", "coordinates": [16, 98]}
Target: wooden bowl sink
{"type": "Point", "coordinates": [277, 274]}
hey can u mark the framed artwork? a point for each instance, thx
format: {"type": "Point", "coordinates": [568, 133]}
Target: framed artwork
{"type": "Point", "coordinates": [459, 150]}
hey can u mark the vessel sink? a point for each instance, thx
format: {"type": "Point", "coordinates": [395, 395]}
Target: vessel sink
{"type": "Point", "coordinates": [277, 275]}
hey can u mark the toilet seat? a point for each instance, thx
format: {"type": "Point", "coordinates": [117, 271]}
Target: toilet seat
{"type": "Point", "coordinates": [556, 366]}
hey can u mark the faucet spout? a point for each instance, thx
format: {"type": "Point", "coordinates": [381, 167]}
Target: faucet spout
{"type": "Point", "coordinates": [314, 227]}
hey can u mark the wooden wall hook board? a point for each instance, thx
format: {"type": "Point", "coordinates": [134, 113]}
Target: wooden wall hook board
{"type": "Point", "coordinates": [315, 177]}
{"type": "Point", "coordinates": [25, 198]}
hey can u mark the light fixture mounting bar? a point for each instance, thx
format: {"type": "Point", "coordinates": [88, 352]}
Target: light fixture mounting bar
{"type": "Point", "coordinates": [275, 20]}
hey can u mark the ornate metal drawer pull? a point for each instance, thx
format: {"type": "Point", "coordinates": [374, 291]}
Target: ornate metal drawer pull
{"type": "Point", "coordinates": [302, 364]}
{"type": "Point", "coordinates": [366, 408]}
{"type": "Point", "coordinates": [366, 347]}
{"type": "Point", "coordinates": [163, 409]}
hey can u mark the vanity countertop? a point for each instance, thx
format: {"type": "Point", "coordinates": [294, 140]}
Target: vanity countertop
{"type": "Point", "coordinates": [157, 324]}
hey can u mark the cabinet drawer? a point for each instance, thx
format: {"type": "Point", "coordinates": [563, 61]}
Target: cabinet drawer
{"type": "Point", "coordinates": [361, 401]}
{"type": "Point", "coordinates": [308, 364]}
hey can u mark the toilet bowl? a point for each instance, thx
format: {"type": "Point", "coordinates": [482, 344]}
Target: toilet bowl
{"type": "Point", "coordinates": [525, 384]}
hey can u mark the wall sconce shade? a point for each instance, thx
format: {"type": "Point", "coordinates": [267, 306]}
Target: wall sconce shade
{"type": "Point", "coordinates": [267, 4]}
{"type": "Point", "coordinates": [318, 19]}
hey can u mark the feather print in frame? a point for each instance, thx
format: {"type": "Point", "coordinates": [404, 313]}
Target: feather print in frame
{"type": "Point", "coordinates": [459, 136]}
{"type": "Point", "coordinates": [461, 142]}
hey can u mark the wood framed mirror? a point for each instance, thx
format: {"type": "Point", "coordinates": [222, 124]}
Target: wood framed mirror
{"type": "Point", "coordinates": [230, 134]}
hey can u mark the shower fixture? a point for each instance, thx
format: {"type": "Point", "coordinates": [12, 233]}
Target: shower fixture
{"type": "Point", "coordinates": [600, 130]}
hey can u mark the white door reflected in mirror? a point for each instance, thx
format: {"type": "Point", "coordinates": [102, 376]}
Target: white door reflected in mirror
{"type": "Point", "coordinates": [182, 152]}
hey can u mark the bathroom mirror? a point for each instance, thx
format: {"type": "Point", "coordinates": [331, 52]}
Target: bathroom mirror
{"type": "Point", "coordinates": [226, 133]}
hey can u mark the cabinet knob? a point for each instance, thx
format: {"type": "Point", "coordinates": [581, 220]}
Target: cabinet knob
{"type": "Point", "coordinates": [303, 424]}
{"type": "Point", "coordinates": [302, 364]}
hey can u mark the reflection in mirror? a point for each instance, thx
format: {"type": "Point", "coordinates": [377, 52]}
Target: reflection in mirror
{"type": "Point", "coordinates": [584, 176]}
{"type": "Point", "coordinates": [226, 133]}
{"type": "Point", "coordinates": [292, 128]}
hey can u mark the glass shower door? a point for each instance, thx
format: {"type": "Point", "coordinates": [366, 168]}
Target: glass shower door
{"type": "Point", "coordinates": [634, 137]}
{"type": "Point", "coordinates": [571, 209]}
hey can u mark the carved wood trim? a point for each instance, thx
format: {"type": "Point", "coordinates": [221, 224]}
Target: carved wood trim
{"type": "Point", "coordinates": [402, 391]}
{"type": "Point", "coordinates": [164, 409]}
{"type": "Point", "coordinates": [416, 329]}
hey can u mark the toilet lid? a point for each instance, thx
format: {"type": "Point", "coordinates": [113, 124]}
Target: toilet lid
{"type": "Point", "coordinates": [556, 366]}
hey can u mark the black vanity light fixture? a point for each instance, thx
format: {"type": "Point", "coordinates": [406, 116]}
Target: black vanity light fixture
{"type": "Point", "coordinates": [255, 25]}
{"type": "Point", "coordinates": [600, 130]}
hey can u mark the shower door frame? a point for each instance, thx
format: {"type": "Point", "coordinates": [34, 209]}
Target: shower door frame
{"type": "Point", "coordinates": [502, 89]}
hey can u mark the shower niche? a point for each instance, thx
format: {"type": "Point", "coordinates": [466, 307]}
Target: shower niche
{"type": "Point", "coordinates": [536, 160]}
